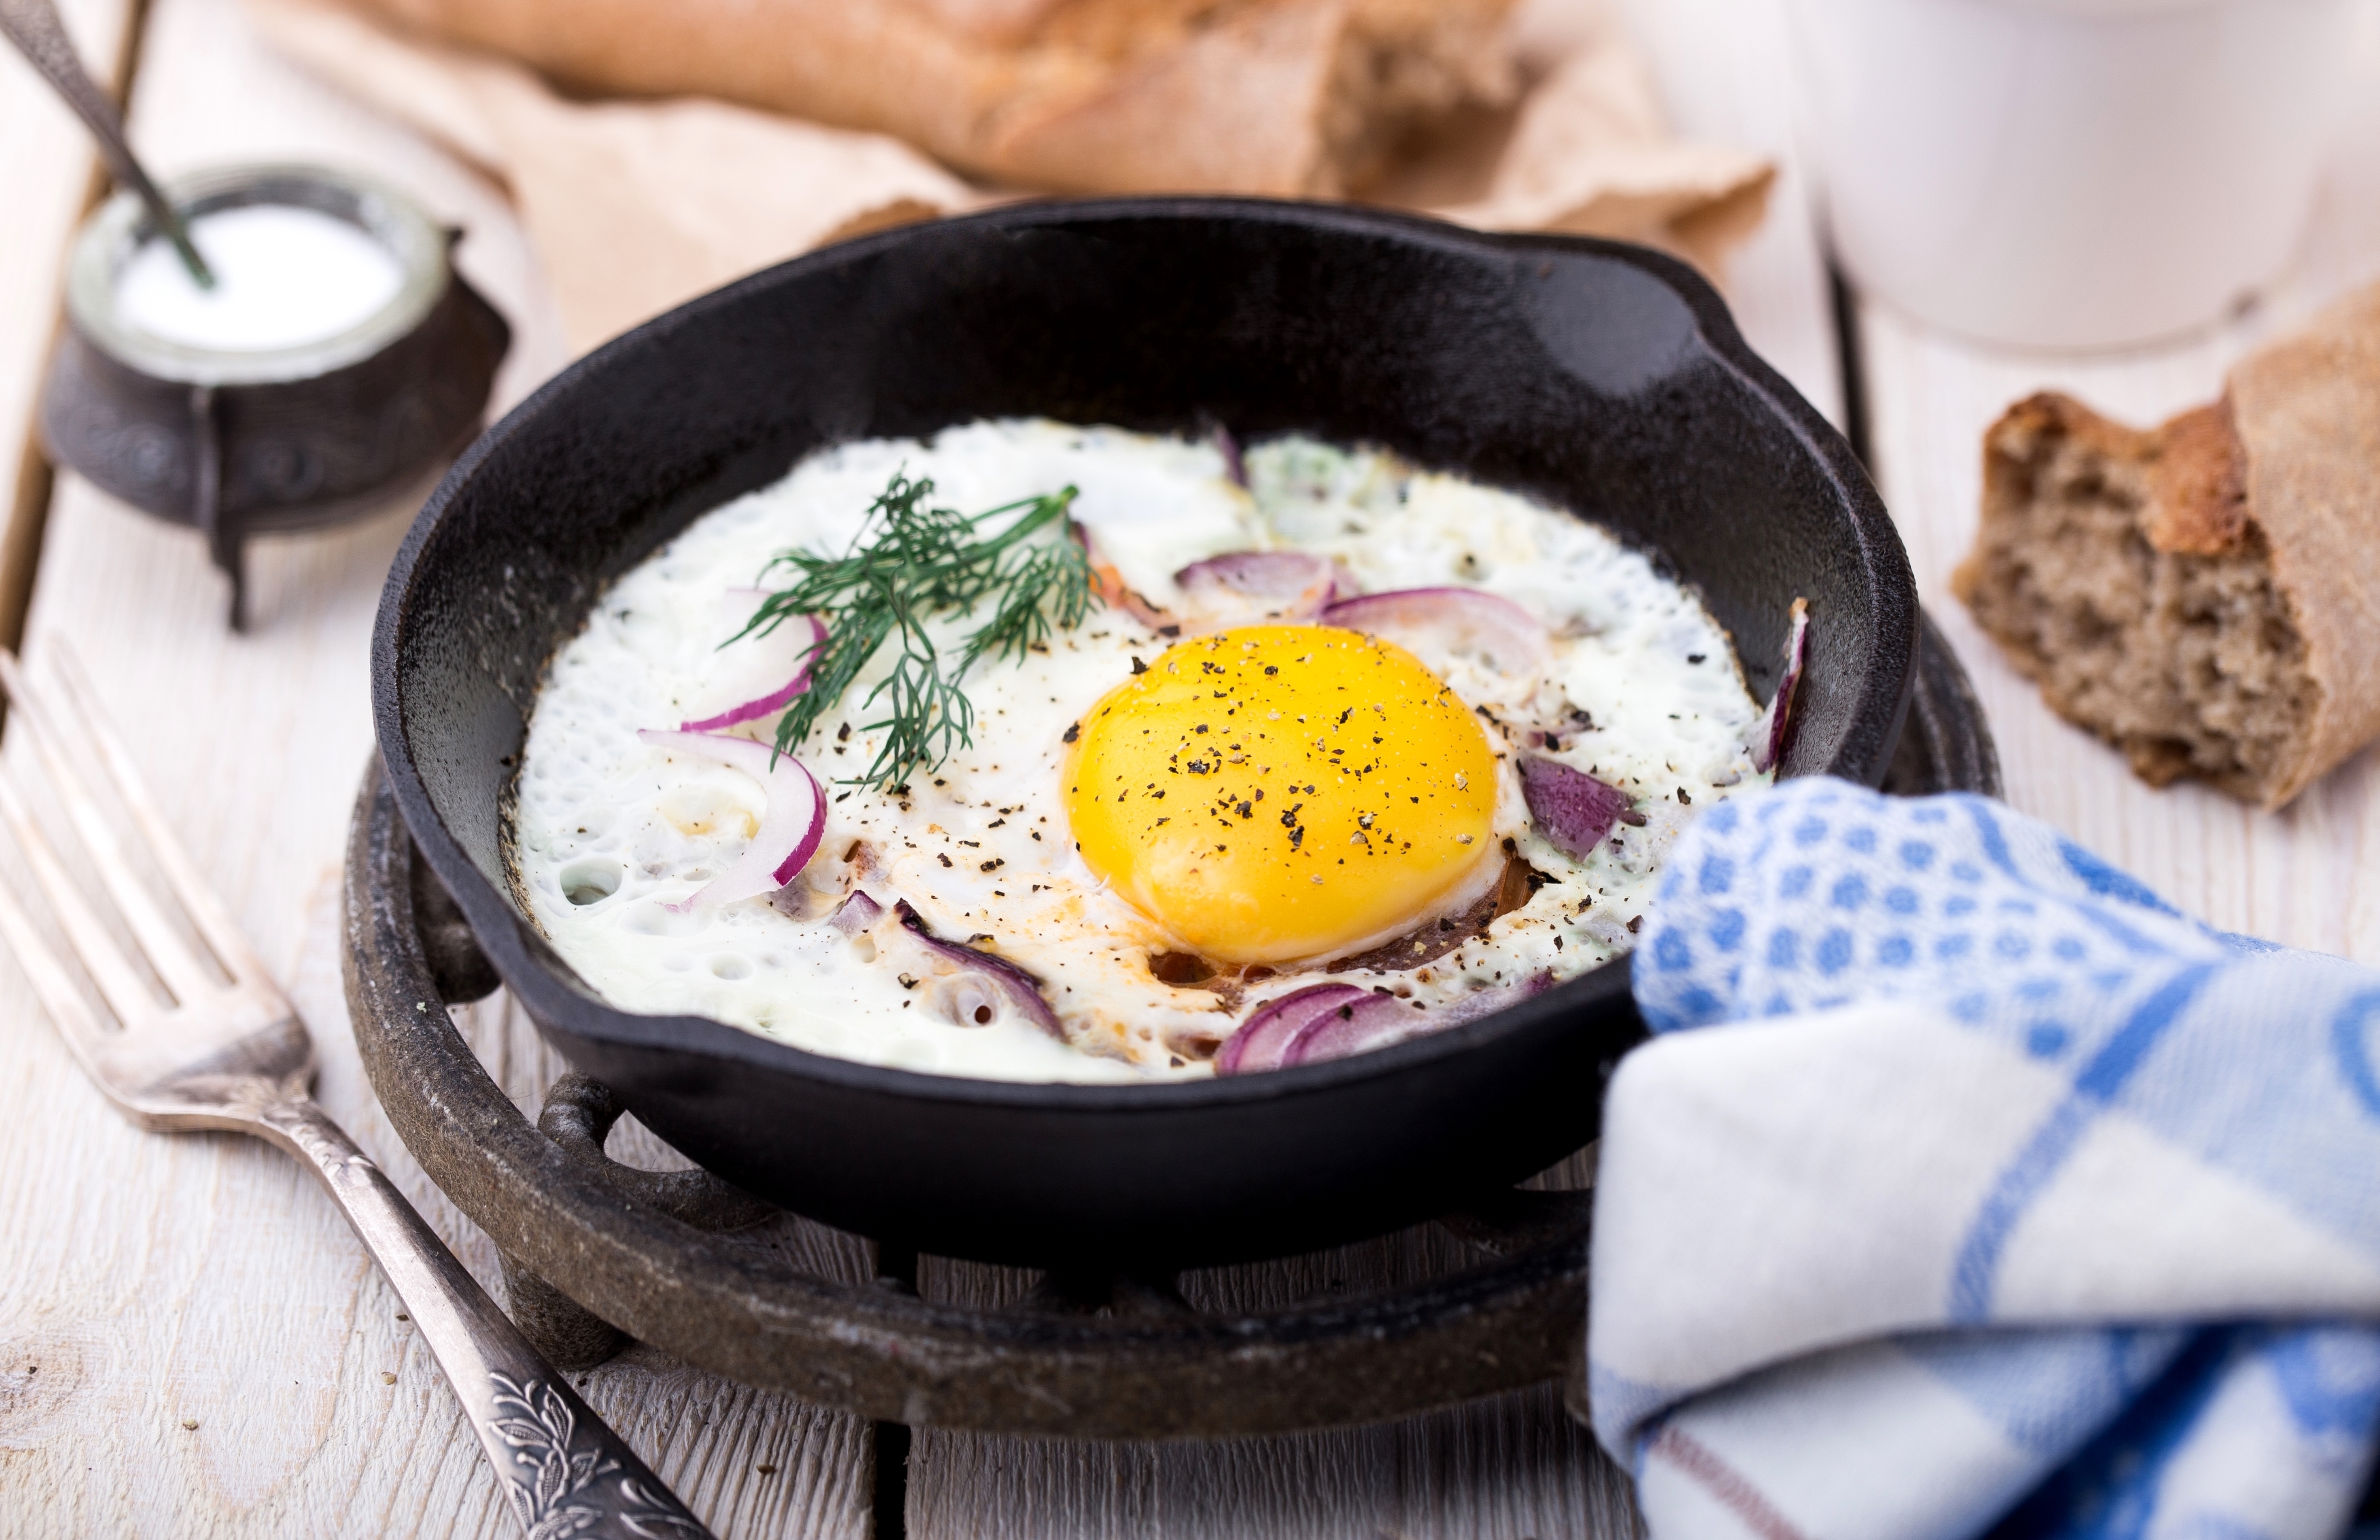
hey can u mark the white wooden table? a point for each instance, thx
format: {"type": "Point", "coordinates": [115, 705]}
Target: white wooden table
{"type": "Point", "coordinates": [147, 1284]}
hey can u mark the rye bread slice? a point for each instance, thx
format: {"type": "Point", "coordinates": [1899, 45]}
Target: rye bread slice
{"type": "Point", "coordinates": [2205, 596]}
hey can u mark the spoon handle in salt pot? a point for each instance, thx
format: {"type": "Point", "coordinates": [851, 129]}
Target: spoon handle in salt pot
{"type": "Point", "coordinates": [33, 26]}
{"type": "Point", "coordinates": [565, 1469]}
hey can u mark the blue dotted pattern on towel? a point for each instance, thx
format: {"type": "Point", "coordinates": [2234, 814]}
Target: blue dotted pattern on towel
{"type": "Point", "coordinates": [2262, 1062]}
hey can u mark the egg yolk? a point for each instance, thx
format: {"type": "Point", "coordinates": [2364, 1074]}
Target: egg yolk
{"type": "Point", "coordinates": [1280, 792]}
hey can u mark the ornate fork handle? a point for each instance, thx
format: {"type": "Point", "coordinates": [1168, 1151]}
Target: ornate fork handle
{"type": "Point", "coordinates": [568, 1473]}
{"type": "Point", "coordinates": [229, 1053]}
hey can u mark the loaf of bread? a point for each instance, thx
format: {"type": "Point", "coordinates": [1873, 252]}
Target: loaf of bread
{"type": "Point", "coordinates": [1277, 97]}
{"type": "Point", "coordinates": [2205, 596]}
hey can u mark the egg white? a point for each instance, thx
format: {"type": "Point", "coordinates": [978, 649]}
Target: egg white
{"type": "Point", "coordinates": [609, 832]}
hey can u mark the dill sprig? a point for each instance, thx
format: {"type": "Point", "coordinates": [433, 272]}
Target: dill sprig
{"type": "Point", "coordinates": [910, 562]}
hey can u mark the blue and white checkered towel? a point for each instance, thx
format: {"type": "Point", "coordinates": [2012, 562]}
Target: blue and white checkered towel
{"type": "Point", "coordinates": [1968, 1184]}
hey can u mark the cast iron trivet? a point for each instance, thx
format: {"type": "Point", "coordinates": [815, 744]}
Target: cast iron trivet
{"type": "Point", "coordinates": [1078, 1356]}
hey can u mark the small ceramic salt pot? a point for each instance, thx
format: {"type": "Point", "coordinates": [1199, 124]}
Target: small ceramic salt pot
{"type": "Point", "coordinates": [238, 441]}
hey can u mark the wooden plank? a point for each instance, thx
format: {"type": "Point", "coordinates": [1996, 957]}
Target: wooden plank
{"type": "Point", "coordinates": [2304, 876]}
{"type": "Point", "coordinates": [48, 176]}
{"type": "Point", "coordinates": [1510, 1468]}
{"type": "Point", "coordinates": [148, 1281]}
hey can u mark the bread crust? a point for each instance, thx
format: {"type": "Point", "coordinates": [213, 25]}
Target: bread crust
{"type": "Point", "coordinates": [2205, 595]}
{"type": "Point", "coordinates": [2196, 475]}
{"type": "Point", "coordinates": [2308, 414]}
{"type": "Point", "coordinates": [1277, 97]}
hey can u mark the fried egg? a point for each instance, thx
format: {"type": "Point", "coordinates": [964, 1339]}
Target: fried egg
{"type": "Point", "coordinates": [1223, 791]}
{"type": "Point", "coordinates": [1167, 815]}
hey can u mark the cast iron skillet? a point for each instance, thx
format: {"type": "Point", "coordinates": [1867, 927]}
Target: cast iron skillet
{"type": "Point", "coordinates": [1600, 377]}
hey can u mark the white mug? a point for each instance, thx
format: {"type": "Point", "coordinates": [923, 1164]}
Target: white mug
{"type": "Point", "coordinates": [2068, 173]}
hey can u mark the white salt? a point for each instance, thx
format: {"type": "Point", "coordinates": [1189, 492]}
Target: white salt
{"type": "Point", "coordinates": [284, 276]}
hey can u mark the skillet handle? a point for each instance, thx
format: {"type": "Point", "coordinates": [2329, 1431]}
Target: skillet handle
{"type": "Point", "coordinates": [565, 1470]}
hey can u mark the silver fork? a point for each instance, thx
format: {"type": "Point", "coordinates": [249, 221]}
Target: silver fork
{"type": "Point", "coordinates": [229, 1053]}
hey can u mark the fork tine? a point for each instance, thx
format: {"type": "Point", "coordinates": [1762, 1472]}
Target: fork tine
{"type": "Point", "coordinates": [127, 993]}
{"type": "Point", "coordinates": [199, 900]}
{"type": "Point", "coordinates": [185, 976]}
{"type": "Point", "coordinates": [52, 984]}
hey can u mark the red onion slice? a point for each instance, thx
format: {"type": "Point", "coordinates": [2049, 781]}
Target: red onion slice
{"type": "Point", "coordinates": [787, 650]}
{"type": "Point", "coordinates": [1266, 1036]}
{"type": "Point", "coordinates": [856, 914]}
{"type": "Point", "coordinates": [789, 830]}
{"type": "Point", "coordinates": [1381, 1019]}
{"type": "Point", "coordinates": [1235, 464]}
{"type": "Point", "coordinates": [1006, 980]}
{"type": "Point", "coordinates": [1281, 584]}
{"type": "Point", "coordinates": [1336, 1020]}
{"type": "Point", "coordinates": [1373, 1021]}
{"type": "Point", "coordinates": [1571, 808]}
{"type": "Point", "coordinates": [1438, 623]}
{"type": "Point", "coordinates": [1769, 735]}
